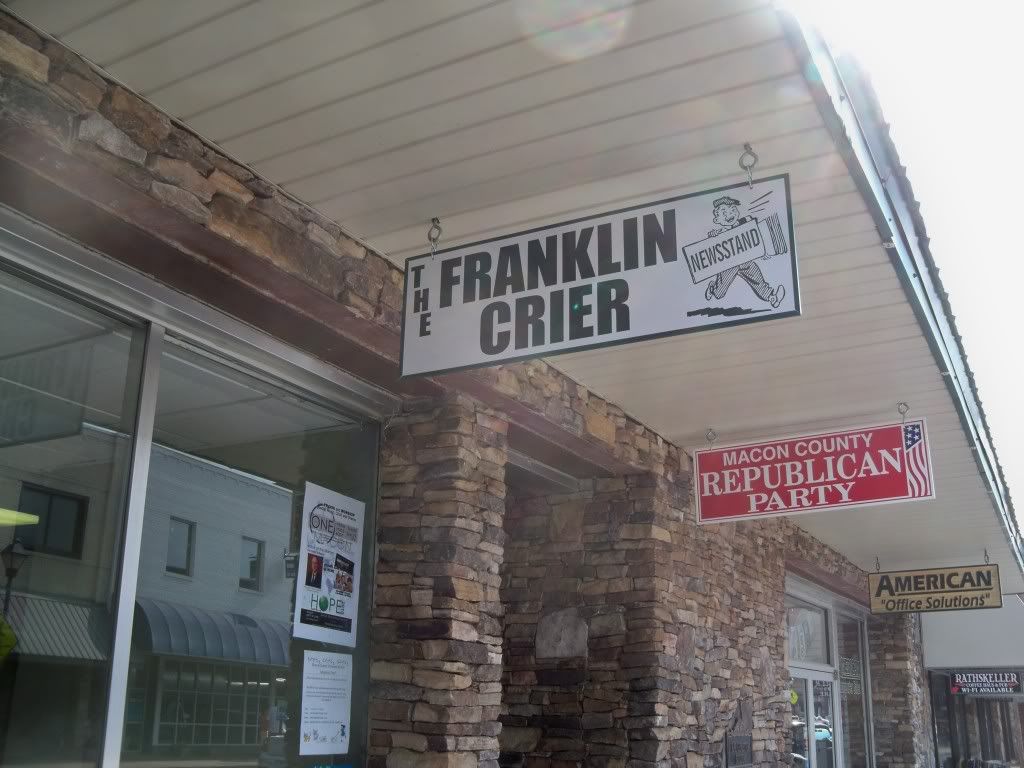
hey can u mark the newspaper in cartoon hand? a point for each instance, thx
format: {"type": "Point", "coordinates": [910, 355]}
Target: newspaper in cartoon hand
{"type": "Point", "coordinates": [732, 248]}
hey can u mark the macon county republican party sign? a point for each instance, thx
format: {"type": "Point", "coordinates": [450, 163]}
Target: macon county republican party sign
{"type": "Point", "coordinates": [706, 260]}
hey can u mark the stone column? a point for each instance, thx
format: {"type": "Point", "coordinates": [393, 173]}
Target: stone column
{"type": "Point", "coordinates": [593, 673]}
{"type": "Point", "coordinates": [437, 623]}
{"type": "Point", "coordinates": [900, 698]}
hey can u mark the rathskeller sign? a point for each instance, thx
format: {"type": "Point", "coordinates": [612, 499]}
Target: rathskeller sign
{"type": "Point", "coordinates": [711, 259]}
{"type": "Point", "coordinates": [982, 683]}
{"type": "Point", "coordinates": [963, 588]}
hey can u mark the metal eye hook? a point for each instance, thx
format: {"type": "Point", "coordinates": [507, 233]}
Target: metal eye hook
{"type": "Point", "coordinates": [903, 409]}
{"type": "Point", "coordinates": [434, 234]}
{"type": "Point", "coordinates": [748, 164]}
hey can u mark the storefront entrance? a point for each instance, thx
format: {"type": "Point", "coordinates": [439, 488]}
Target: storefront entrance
{"type": "Point", "coordinates": [829, 682]}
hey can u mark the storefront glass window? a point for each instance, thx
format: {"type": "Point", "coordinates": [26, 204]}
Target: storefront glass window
{"type": "Point", "coordinates": [852, 691]}
{"type": "Point", "coordinates": [216, 676]}
{"type": "Point", "coordinates": [824, 725]}
{"type": "Point", "coordinates": [807, 627]}
{"type": "Point", "coordinates": [799, 724]}
{"type": "Point", "coordinates": [69, 379]}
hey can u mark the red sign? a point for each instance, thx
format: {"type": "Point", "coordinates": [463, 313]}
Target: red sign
{"type": "Point", "coordinates": [872, 465]}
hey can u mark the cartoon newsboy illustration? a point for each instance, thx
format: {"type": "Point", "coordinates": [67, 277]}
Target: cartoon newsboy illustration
{"type": "Point", "coordinates": [727, 216]}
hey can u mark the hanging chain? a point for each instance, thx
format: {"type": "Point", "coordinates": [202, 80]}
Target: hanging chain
{"type": "Point", "coordinates": [434, 235]}
{"type": "Point", "coordinates": [711, 436]}
{"type": "Point", "coordinates": [903, 409]}
{"type": "Point", "coordinates": [747, 162]}
{"type": "Point", "coordinates": [878, 565]}
{"type": "Point", "coordinates": [986, 555]}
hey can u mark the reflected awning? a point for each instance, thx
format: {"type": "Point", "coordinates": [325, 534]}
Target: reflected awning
{"type": "Point", "coordinates": [59, 629]}
{"type": "Point", "coordinates": [173, 629]}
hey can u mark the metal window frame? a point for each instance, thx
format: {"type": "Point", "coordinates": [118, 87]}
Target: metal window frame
{"type": "Point", "coordinates": [190, 553]}
{"type": "Point", "coordinates": [261, 550]}
{"type": "Point", "coordinates": [836, 606]}
{"type": "Point", "coordinates": [93, 279]}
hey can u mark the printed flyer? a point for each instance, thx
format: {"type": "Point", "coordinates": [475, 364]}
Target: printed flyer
{"type": "Point", "coordinates": [327, 583]}
{"type": "Point", "coordinates": [326, 703]}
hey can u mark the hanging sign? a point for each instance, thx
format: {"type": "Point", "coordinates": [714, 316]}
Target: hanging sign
{"type": "Point", "coordinates": [971, 683]}
{"type": "Point", "coordinates": [788, 476]}
{"type": "Point", "coordinates": [327, 583]}
{"type": "Point", "coordinates": [963, 588]}
{"type": "Point", "coordinates": [706, 260]}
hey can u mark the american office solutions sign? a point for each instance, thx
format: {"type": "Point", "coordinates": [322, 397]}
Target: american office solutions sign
{"type": "Point", "coordinates": [715, 258]}
{"type": "Point", "coordinates": [959, 588]}
{"type": "Point", "coordinates": [870, 465]}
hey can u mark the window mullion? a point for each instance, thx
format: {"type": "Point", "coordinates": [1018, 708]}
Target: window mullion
{"type": "Point", "coordinates": [131, 546]}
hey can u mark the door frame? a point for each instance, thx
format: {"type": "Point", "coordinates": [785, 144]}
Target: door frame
{"type": "Point", "coordinates": [835, 606]}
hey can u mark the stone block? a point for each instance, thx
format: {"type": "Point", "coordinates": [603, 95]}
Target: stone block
{"type": "Point", "coordinates": [146, 125]}
{"type": "Point", "coordinates": [224, 184]}
{"type": "Point", "coordinates": [181, 174]}
{"type": "Point", "coordinates": [562, 634]}
{"type": "Point", "coordinates": [182, 201]}
{"type": "Point", "coordinates": [387, 671]}
{"type": "Point", "coordinates": [429, 678]}
{"type": "Point", "coordinates": [24, 59]}
{"type": "Point", "coordinates": [97, 130]}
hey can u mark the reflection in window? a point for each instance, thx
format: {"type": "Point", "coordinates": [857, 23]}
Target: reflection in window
{"type": "Point", "coordinates": [807, 632]}
{"type": "Point", "coordinates": [68, 384]}
{"type": "Point", "coordinates": [251, 574]}
{"type": "Point", "coordinates": [61, 521]}
{"type": "Point", "coordinates": [230, 458]}
{"type": "Point", "coordinates": [181, 536]}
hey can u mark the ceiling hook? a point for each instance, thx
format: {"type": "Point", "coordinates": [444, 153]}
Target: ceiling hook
{"type": "Point", "coordinates": [903, 409]}
{"type": "Point", "coordinates": [434, 234]}
{"type": "Point", "coordinates": [747, 162]}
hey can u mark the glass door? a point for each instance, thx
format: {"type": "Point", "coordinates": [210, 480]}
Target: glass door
{"type": "Point", "coordinates": [813, 726]}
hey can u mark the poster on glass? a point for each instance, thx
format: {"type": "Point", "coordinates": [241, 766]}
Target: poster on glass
{"type": "Point", "coordinates": [327, 585]}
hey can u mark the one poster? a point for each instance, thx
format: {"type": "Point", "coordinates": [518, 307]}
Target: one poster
{"type": "Point", "coordinates": [327, 583]}
{"type": "Point", "coordinates": [326, 703]}
{"type": "Point", "coordinates": [979, 683]}
{"type": "Point", "coordinates": [963, 588]}
{"type": "Point", "coordinates": [787, 476]}
{"type": "Point", "coordinates": [706, 260]}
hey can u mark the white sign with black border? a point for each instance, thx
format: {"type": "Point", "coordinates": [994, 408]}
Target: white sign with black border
{"type": "Point", "coordinates": [710, 259]}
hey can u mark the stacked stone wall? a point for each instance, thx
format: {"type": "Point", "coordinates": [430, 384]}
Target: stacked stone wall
{"type": "Point", "coordinates": [900, 695]}
{"type": "Point", "coordinates": [437, 619]}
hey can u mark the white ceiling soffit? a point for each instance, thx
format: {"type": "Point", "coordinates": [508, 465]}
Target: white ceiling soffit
{"type": "Point", "coordinates": [384, 114]}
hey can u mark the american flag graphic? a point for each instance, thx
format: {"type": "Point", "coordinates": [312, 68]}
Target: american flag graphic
{"type": "Point", "coordinates": [918, 475]}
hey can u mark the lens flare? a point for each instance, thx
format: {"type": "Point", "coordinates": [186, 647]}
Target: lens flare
{"type": "Point", "coordinates": [572, 30]}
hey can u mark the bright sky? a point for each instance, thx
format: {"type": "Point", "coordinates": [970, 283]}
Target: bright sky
{"type": "Point", "coordinates": [949, 79]}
